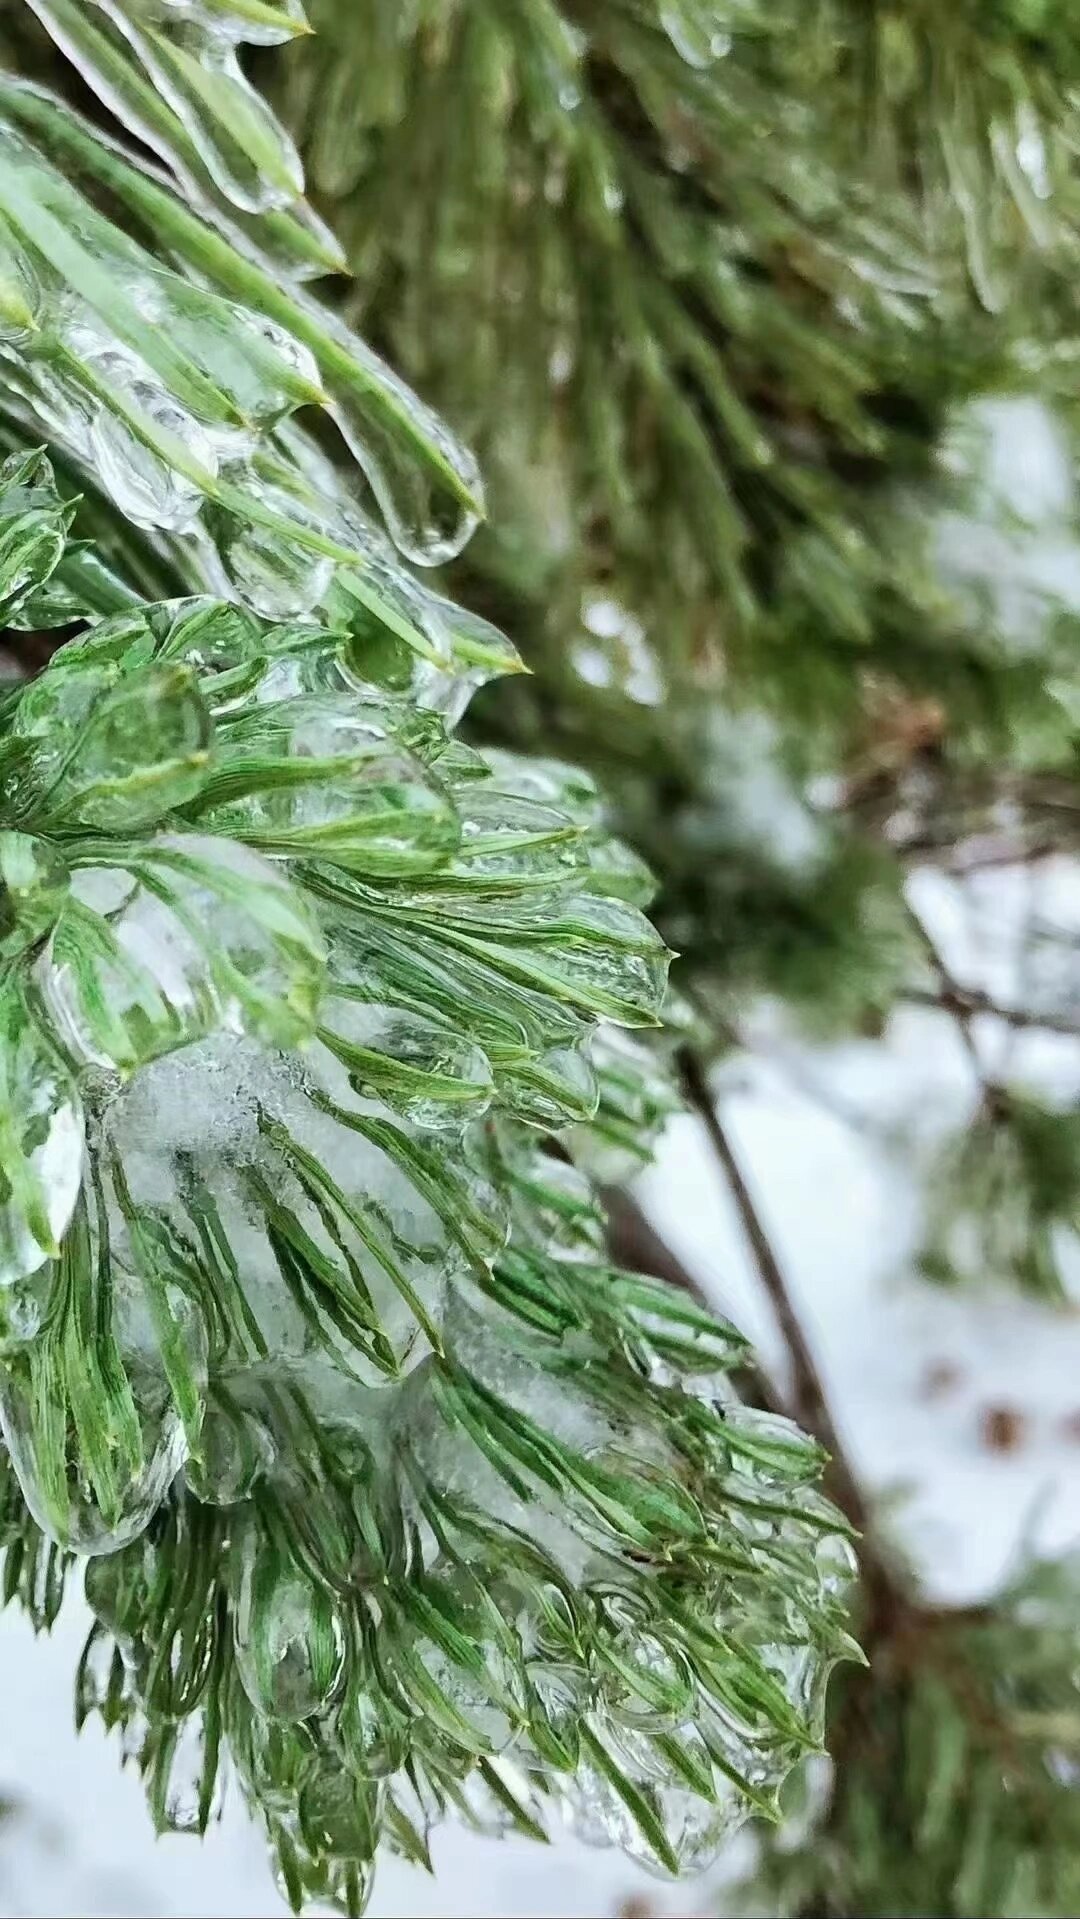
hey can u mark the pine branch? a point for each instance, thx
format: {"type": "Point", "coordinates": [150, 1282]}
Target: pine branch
{"type": "Point", "coordinates": [356, 1101]}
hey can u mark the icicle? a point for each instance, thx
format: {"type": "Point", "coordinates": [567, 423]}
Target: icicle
{"type": "Point", "coordinates": [146, 488]}
{"type": "Point", "coordinates": [87, 1412]}
{"type": "Point", "coordinates": [428, 522]}
{"type": "Point", "coordinates": [289, 1643]}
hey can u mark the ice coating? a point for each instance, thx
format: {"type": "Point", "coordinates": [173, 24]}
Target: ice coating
{"type": "Point", "coordinates": [396, 1487]}
{"type": "Point", "coordinates": [424, 481]}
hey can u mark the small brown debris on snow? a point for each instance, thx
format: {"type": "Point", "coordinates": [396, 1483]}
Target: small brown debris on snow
{"type": "Point", "coordinates": [1003, 1429]}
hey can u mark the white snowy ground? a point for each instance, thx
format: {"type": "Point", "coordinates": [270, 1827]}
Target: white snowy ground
{"type": "Point", "coordinates": [839, 1205]}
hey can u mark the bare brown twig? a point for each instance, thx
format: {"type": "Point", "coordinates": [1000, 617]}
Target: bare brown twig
{"type": "Point", "coordinates": [952, 994]}
{"type": "Point", "coordinates": [808, 1402]}
{"type": "Point", "coordinates": [968, 1000]}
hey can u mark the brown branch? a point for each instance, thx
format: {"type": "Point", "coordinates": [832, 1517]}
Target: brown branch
{"type": "Point", "coordinates": [808, 1404]}
{"type": "Point", "coordinates": [1031, 853]}
{"type": "Point", "coordinates": [966, 1001]}
{"type": "Point", "coordinates": [952, 995]}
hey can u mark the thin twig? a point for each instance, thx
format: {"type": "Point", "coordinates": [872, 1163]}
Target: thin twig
{"type": "Point", "coordinates": [1003, 855]}
{"type": "Point", "coordinates": [970, 1001]}
{"type": "Point", "coordinates": [808, 1402]}
{"type": "Point", "coordinates": [952, 994]}
{"type": "Point", "coordinates": [957, 1000]}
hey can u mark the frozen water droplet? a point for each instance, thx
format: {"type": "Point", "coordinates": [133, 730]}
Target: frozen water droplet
{"type": "Point", "coordinates": [289, 1644]}
{"type": "Point", "coordinates": [373, 1740]}
{"type": "Point", "coordinates": [595, 1812]}
{"type": "Point", "coordinates": [145, 487]}
{"type": "Point", "coordinates": [695, 31]}
{"type": "Point", "coordinates": [134, 1737]}
{"type": "Point", "coordinates": [428, 517]}
{"type": "Point", "coordinates": [146, 490]}
{"type": "Point", "coordinates": [109, 752]}
{"type": "Point", "coordinates": [115, 1588]}
{"type": "Point", "coordinates": [469, 1702]}
{"type": "Point", "coordinates": [339, 1814]}
{"type": "Point", "coordinates": [651, 1689]}
{"type": "Point", "coordinates": [333, 778]}
{"type": "Point", "coordinates": [96, 1673]}
{"type": "Point", "coordinates": [291, 351]}
{"type": "Point", "coordinates": [187, 1798]}
{"type": "Point", "coordinates": [558, 1698]}
{"type": "Point", "coordinates": [25, 1310]}
{"type": "Point", "coordinates": [84, 1528]}
{"type": "Point", "coordinates": [21, 295]}
{"type": "Point", "coordinates": [236, 24]}
{"type": "Point", "coordinates": [34, 884]}
{"type": "Point", "coordinates": [429, 1073]}
{"type": "Point", "coordinates": [34, 524]}
{"type": "Point", "coordinates": [218, 939]}
{"type": "Point", "coordinates": [697, 1828]}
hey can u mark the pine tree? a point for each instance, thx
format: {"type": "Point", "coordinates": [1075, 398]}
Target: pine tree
{"type": "Point", "coordinates": [722, 291]}
{"type": "Point", "coordinates": [384, 1481]}
{"type": "Point", "coordinates": [712, 291]}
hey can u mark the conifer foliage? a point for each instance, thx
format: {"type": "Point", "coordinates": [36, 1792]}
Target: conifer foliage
{"type": "Point", "coordinates": [756, 280]}
{"type": "Point", "coordinates": [388, 1487]}
{"type": "Point", "coordinates": [331, 1359]}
